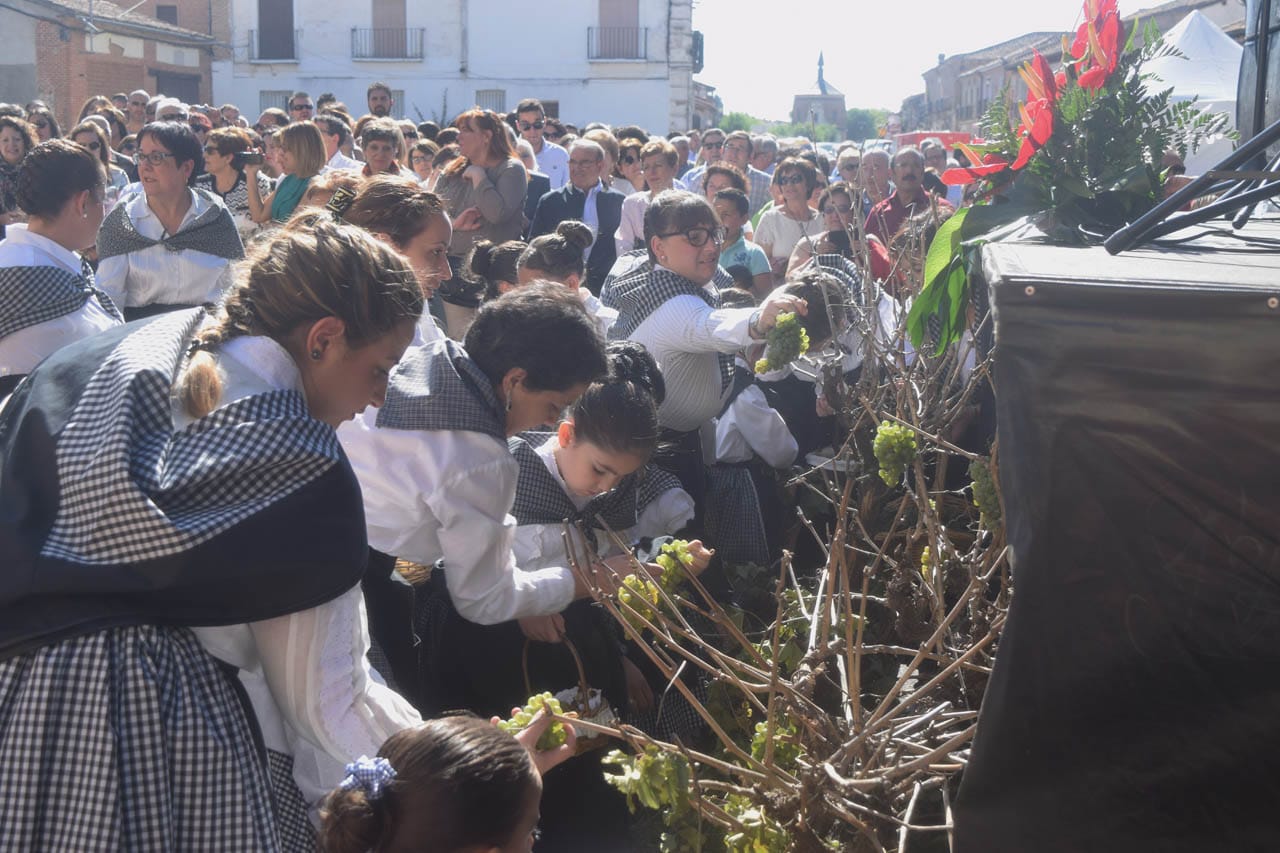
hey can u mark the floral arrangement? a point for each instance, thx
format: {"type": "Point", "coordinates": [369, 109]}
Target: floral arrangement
{"type": "Point", "coordinates": [1076, 161]}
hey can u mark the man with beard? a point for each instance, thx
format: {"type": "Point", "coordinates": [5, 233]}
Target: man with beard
{"type": "Point", "coordinates": [908, 199]}
{"type": "Point", "coordinates": [380, 100]}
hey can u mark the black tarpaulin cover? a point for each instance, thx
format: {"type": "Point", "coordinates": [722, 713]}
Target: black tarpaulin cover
{"type": "Point", "coordinates": [1135, 701]}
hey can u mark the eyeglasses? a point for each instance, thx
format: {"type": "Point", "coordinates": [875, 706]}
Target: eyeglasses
{"type": "Point", "coordinates": [155, 158]}
{"type": "Point", "coordinates": [537, 125]}
{"type": "Point", "coordinates": [714, 146]}
{"type": "Point", "coordinates": [410, 134]}
{"type": "Point", "coordinates": [790, 179]}
{"type": "Point", "coordinates": [297, 107]}
{"type": "Point", "coordinates": [420, 160]}
{"type": "Point", "coordinates": [837, 208]}
{"type": "Point", "coordinates": [628, 160]}
{"type": "Point", "coordinates": [173, 117]}
{"type": "Point", "coordinates": [199, 128]}
{"type": "Point", "coordinates": [93, 146]}
{"type": "Point", "coordinates": [211, 149]}
{"type": "Point", "coordinates": [128, 148]}
{"type": "Point", "coordinates": [552, 134]}
{"type": "Point", "coordinates": [698, 236]}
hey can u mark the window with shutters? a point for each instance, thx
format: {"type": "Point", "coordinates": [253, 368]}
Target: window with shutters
{"type": "Point", "coordinates": [492, 99]}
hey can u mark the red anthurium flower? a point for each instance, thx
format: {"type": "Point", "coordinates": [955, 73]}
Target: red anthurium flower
{"type": "Point", "coordinates": [1094, 12]}
{"type": "Point", "coordinates": [1097, 43]}
{"type": "Point", "coordinates": [1035, 130]}
{"type": "Point", "coordinates": [1041, 84]}
{"type": "Point", "coordinates": [992, 164]}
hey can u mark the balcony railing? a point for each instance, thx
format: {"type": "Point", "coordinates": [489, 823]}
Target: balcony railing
{"type": "Point", "coordinates": [274, 45]}
{"type": "Point", "coordinates": [617, 43]}
{"type": "Point", "coordinates": [388, 43]}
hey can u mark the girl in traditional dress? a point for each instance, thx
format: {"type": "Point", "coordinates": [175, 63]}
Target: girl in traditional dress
{"type": "Point", "coordinates": [186, 473]}
{"type": "Point", "coordinates": [561, 257]}
{"type": "Point", "coordinates": [48, 297]}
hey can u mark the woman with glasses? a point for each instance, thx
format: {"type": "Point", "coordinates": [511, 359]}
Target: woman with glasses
{"type": "Point", "coordinates": [224, 166]}
{"type": "Point", "coordinates": [658, 163]}
{"type": "Point", "coordinates": [667, 306]}
{"type": "Point", "coordinates": [48, 297]}
{"type": "Point", "coordinates": [16, 139]}
{"type": "Point", "coordinates": [171, 245]}
{"type": "Point", "coordinates": [628, 174]}
{"type": "Point", "coordinates": [301, 158]}
{"type": "Point", "coordinates": [420, 157]}
{"type": "Point", "coordinates": [91, 135]}
{"type": "Point", "coordinates": [45, 125]}
{"type": "Point", "coordinates": [793, 221]}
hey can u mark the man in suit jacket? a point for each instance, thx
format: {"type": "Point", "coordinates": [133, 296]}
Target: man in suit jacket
{"type": "Point", "coordinates": [584, 198]}
{"type": "Point", "coordinates": [539, 184]}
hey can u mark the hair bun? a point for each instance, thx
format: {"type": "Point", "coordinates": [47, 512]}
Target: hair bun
{"type": "Point", "coordinates": [575, 233]}
{"type": "Point", "coordinates": [629, 361]}
{"type": "Point", "coordinates": [481, 262]}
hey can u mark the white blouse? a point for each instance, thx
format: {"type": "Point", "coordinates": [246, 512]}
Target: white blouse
{"type": "Point", "coordinates": [684, 335]}
{"type": "Point", "coordinates": [306, 673]}
{"type": "Point", "coordinates": [447, 494]}
{"type": "Point", "coordinates": [155, 275]}
{"type": "Point", "coordinates": [539, 545]}
{"type": "Point", "coordinates": [751, 426]}
{"type": "Point", "coordinates": [21, 351]}
{"type": "Point", "coordinates": [631, 225]}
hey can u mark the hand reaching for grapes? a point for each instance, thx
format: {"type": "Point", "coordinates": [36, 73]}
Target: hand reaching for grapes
{"type": "Point", "coordinates": [779, 303]}
{"type": "Point", "coordinates": [543, 759]}
{"type": "Point", "coordinates": [544, 629]}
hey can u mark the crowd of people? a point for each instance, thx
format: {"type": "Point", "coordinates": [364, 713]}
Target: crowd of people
{"type": "Point", "coordinates": [293, 413]}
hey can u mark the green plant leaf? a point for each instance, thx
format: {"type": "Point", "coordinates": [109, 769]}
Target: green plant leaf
{"type": "Point", "coordinates": [945, 245]}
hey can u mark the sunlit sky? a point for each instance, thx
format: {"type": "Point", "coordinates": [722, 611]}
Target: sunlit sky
{"type": "Point", "coordinates": [759, 53]}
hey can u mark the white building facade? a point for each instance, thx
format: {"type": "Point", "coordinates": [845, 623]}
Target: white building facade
{"type": "Point", "coordinates": [615, 61]}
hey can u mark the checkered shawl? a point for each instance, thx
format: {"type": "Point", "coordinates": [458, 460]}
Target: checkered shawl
{"type": "Point", "coordinates": [30, 296]}
{"type": "Point", "coordinates": [110, 515]}
{"type": "Point", "coordinates": [438, 386]}
{"type": "Point", "coordinates": [540, 499]}
{"type": "Point", "coordinates": [212, 232]}
{"type": "Point", "coordinates": [646, 288]}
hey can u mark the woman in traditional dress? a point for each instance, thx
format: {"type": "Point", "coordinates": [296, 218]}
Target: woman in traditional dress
{"type": "Point", "coordinates": [48, 298]}
{"type": "Point", "coordinates": [186, 473]}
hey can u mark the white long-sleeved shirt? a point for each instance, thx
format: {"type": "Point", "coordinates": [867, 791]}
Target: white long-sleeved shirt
{"type": "Point", "coordinates": [751, 426]}
{"type": "Point", "coordinates": [631, 225]}
{"type": "Point", "coordinates": [22, 350]}
{"type": "Point", "coordinates": [540, 545]}
{"type": "Point", "coordinates": [684, 335]}
{"type": "Point", "coordinates": [306, 673]}
{"type": "Point", "coordinates": [157, 276]}
{"type": "Point", "coordinates": [437, 494]}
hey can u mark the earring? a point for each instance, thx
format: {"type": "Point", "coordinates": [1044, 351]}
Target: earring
{"type": "Point", "coordinates": [315, 355]}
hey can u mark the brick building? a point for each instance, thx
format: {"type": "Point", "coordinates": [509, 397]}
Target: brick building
{"type": "Point", "coordinates": [67, 50]}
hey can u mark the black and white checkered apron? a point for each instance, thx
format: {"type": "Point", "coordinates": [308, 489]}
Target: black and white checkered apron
{"type": "Point", "coordinates": [130, 738]}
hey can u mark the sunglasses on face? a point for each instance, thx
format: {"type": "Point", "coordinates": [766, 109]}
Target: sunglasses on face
{"type": "Point", "coordinates": [537, 125]}
{"type": "Point", "coordinates": [211, 149]}
{"type": "Point", "coordinates": [698, 236]}
{"type": "Point", "coordinates": [553, 134]}
{"type": "Point", "coordinates": [410, 135]}
{"type": "Point", "coordinates": [296, 107]}
{"type": "Point", "coordinates": [93, 146]}
{"type": "Point", "coordinates": [627, 160]}
{"type": "Point", "coordinates": [790, 179]}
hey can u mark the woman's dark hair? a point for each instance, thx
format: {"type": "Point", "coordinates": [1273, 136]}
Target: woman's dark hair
{"type": "Point", "coordinates": [425, 147]}
{"type": "Point", "coordinates": [460, 783]}
{"type": "Point", "coordinates": [560, 254]}
{"type": "Point", "coordinates": [447, 136]}
{"type": "Point", "coordinates": [55, 132]}
{"type": "Point", "coordinates": [673, 211]}
{"type": "Point", "coordinates": [176, 138]}
{"type": "Point", "coordinates": [428, 130]}
{"type": "Point", "coordinates": [27, 131]}
{"type": "Point", "coordinates": [229, 140]}
{"type": "Point", "coordinates": [828, 299]}
{"type": "Point", "coordinates": [104, 145]}
{"type": "Point", "coordinates": [545, 330]}
{"type": "Point", "coordinates": [382, 130]}
{"type": "Point", "coordinates": [491, 263]}
{"type": "Point", "coordinates": [743, 282]}
{"type": "Point", "coordinates": [620, 412]}
{"type": "Point", "coordinates": [627, 146]}
{"type": "Point", "coordinates": [800, 166]}
{"type": "Point", "coordinates": [115, 118]}
{"type": "Point", "coordinates": [92, 105]}
{"type": "Point", "coordinates": [53, 172]}
{"type": "Point", "coordinates": [500, 148]}
{"type": "Point", "coordinates": [838, 188]}
{"type": "Point", "coordinates": [733, 173]}
{"type": "Point", "coordinates": [394, 205]}
{"type": "Point", "coordinates": [446, 155]}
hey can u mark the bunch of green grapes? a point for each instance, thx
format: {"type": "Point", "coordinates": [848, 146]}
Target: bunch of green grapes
{"type": "Point", "coordinates": [926, 560]}
{"type": "Point", "coordinates": [985, 496]}
{"type": "Point", "coordinates": [674, 559]}
{"type": "Point", "coordinates": [641, 594]}
{"type": "Point", "coordinates": [554, 736]}
{"type": "Point", "coordinates": [786, 742]}
{"type": "Point", "coordinates": [895, 448]}
{"type": "Point", "coordinates": [785, 342]}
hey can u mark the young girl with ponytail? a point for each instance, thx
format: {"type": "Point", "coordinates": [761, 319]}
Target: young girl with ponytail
{"type": "Point", "coordinates": [561, 257]}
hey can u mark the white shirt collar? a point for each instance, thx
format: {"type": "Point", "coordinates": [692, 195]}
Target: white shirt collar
{"type": "Point", "coordinates": [265, 359]}
{"type": "Point", "coordinates": [139, 210]}
{"type": "Point", "coordinates": [19, 235]}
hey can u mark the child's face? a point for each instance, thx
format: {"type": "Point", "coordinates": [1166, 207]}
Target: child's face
{"type": "Point", "coordinates": [589, 470]}
{"type": "Point", "coordinates": [729, 216]}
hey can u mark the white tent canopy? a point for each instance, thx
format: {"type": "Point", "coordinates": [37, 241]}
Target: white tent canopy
{"type": "Point", "coordinates": [1209, 73]}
